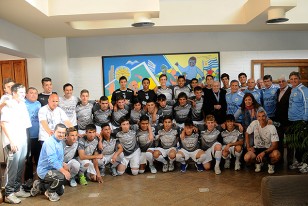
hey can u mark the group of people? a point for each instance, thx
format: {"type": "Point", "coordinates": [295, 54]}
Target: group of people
{"type": "Point", "coordinates": [75, 139]}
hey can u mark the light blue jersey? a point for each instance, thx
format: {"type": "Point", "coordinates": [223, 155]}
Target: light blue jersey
{"type": "Point", "coordinates": [256, 93]}
{"type": "Point", "coordinates": [234, 100]}
{"type": "Point", "coordinates": [269, 100]}
{"type": "Point", "coordinates": [298, 104]}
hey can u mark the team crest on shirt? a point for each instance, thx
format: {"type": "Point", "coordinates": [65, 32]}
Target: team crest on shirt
{"type": "Point", "coordinates": [273, 92]}
{"type": "Point", "coordinates": [236, 99]}
{"type": "Point", "coordinates": [295, 94]}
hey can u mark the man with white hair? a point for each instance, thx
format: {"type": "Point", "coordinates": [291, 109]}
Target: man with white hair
{"type": "Point", "coordinates": [251, 88]}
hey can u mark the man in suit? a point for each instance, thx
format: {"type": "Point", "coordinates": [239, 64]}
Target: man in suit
{"type": "Point", "coordinates": [215, 103]}
{"type": "Point", "coordinates": [281, 115]}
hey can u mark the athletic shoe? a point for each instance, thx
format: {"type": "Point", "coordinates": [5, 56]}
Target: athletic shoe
{"type": "Point", "coordinates": [12, 199]}
{"type": "Point", "coordinates": [165, 167]}
{"type": "Point", "coordinates": [52, 196]}
{"type": "Point", "coordinates": [35, 190]}
{"type": "Point", "coordinates": [152, 169]}
{"type": "Point", "coordinates": [73, 182]}
{"type": "Point", "coordinates": [82, 180]}
{"type": "Point", "coordinates": [171, 167]}
{"type": "Point", "coordinates": [304, 168]}
{"type": "Point", "coordinates": [271, 169]}
{"type": "Point", "coordinates": [22, 193]}
{"type": "Point", "coordinates": [295, 165]}
{"type": "Point", "coordinates": [114, 171]}
{"type": "Point", "coordinates": [199, 167]}
{"type": "Point", "coordinates": [183, 167]}
{"type": "Point", "coordinates": [217, 170]}
{"type": "Point", "coordinates": [258, 168]}
{"type": "Point", "coordinates": [237, 166]}
{"type": "Point", "coordinates": [227, 164]}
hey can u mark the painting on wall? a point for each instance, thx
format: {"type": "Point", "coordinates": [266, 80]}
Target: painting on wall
{"type": "Point", "coordinates": [137, 67]}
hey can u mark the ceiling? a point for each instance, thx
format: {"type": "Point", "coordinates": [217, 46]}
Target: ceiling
{"type": "Point", "coordinates": [76, 18]}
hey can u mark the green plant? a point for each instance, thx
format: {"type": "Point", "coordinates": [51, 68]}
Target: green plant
{"type": "Point", "coordinates": [297, 138]}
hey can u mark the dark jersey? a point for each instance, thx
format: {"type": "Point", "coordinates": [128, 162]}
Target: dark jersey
{"type": "Point", "coordinates": [43, 98]}
{"type": "Point", "coordinates": [182, 113]}
{"type": "Point", "coordinates": [145, 96]}
{"type": "Point", "coordinates": [126, 94]}
{"type": "Point", "coordinates": [197, 113]}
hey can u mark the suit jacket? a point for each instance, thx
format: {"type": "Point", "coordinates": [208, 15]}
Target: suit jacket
{"type": "Point", "coordinates": [209, 102]}
{"type": "Point", "coordinates": [282, 107]}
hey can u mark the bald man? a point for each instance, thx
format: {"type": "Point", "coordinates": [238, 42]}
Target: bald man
{"type": "Point", "coordinates": [49, 116]}
{"type": "Point", "coordinates": [251, 88]}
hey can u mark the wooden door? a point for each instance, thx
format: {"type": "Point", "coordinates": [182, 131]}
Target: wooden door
{"type": "Point", "coordinates": [14, 69]}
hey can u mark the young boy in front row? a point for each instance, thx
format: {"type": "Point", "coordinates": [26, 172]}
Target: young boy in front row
{"type": "Point", "coordinates": [131, 150]}
{"type": "Point", "coordinates": [189, 142]}
{"type": "Point", "coordinates": [70, 148]}
{"type": "Point", "coordinates": [87, 146]}
{"type": "Point", "coordinates": [167, 138]}
{"type": "Point", "coordinates": [145, 139]}
{"type": "Point", "coordinates": [232, 143]}
{"type": "Point", "coordinates": [210, 144]}
{"type": "Point", "coordinates": [112, 152]}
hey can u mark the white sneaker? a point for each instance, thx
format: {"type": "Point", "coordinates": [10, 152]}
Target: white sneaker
{"type": "Point", "coordinates": [227, 163]}
{"type": "Point", "coordinates": [217, 170]}
{"type": "Point", "coordinates": [295, 165]}
{"type": "Point", "coordinates": [22, 193]}
{"type": "Point", "coordinates": [12, 199]}
{"type": "Point", "coordinates": [171, 167]}
{"type": "Point", "coordinates": [237, 166]}
{"type": "Point", "coordinates": [271, 169]}
{"type": "Point", "coordinates": [258, 168]}
{"type": "Point", "coordinates": [165, 167]}
{"type": "Point", "coordinates": [73, 182]}
{"type": "Point", "coordinates": [152, 169]}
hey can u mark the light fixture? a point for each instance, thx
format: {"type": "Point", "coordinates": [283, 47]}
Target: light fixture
{"type": "Point", "coordinates": [276, 15]}
{"type": "Point", "coordinates": [142, 20]}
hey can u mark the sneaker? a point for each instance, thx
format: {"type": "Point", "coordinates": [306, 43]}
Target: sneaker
{"type": "Point", "coordinates": [52, 196]}
{"type": "Point", "coordinates": [183, 167]}
{"type": "Point", "coordinates": [258, 168]}
{"type": "Point", "coordinates": [295, 165]}
{"type": "Point", "coordinates": [82, 180]}
{"type": "Point", "coordinates": [199, 167]}
{"type": "Point", "coordinates": [303, 166]}
{"type": "Point", "coordinates": [165, 167]}
{"type": "Point", "coordinates": [152, 169]}
{"type": "Point", "coordinates": [304, 170]}
{"type": "Point", "coordinates": [114, 171]}
{"type": "Point", "coordinates": [237, 166]}
{"type": "Point", "coordinates": [217, 170]}
{"type": "Point", "coordinates": [73, 182]}
{"type": "Point", "coordinates": [271, 169]}
{"type": "Point", "coordinates": [171, 167]}
{"type": "Point", "coordinates": [227, 164]}
{"type": "Point", "coordinates": [35, 190]}
{"type": "Point", "coordinates": [12, 199]}
{"type": "Point", "coordinates": [22, 193]}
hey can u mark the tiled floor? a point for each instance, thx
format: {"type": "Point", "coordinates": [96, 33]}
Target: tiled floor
{"type": "Point", "coordinates": [173, 188]}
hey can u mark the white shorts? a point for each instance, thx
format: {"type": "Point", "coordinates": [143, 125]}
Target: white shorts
{"type": "Point", "coordinates": [209, 153]}
{"type": "Point", "coordinates": [191, 155]}
{"type": "Point", "coordinates": [143, 158]}
{"type": "Point", "coordinates": [90, 168]}
{"type": "Point", "coordinates": [107, 159]}
{"type": "Point", "coordinates": [165, 152]}
{"type": "Point", "coordinates": [132, 159]}
{"type": "Point", "coordinates": [231, 151]}
{"type": "Point", "coordinates": [73, 165]}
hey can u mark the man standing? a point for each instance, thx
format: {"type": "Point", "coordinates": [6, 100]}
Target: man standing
{"type": "Point", "coordinates": [251, 88]}
{"type": "Point", "coordinates": [269, 96]}
{"type": "Point", "coordinates": [123, 91]}
{"type": "Point", "coordinates": [234, 98]}
{"type": "Point", "coordinates": [225, 81]}
{"type": "Point", "coordinates": [14, 121]}
{"type": "Point", "coordinates": [265, 145]}
{"type": "Point", "coordinates": [49, 116]}
{"type": "Point", "coordinates": [47, 91]}
{"type": "Point", "coordinates": [242, 78]}
{"type": "Point", "coordinates": [298, 107]}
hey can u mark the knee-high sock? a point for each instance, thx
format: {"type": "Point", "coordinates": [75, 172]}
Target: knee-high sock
{"type": "Point", "coordinates": [149, 157]}
{"type": "Point", "coordinates": [171, 160]}
{"type": "Point", "coordinates": [238, 156]}
{"type": "Point", "coordinates": [162, 159]}
{"type": "Point", "coordinates": [201, 159]}
{"type": "Point", "coordinates": [217, 158]}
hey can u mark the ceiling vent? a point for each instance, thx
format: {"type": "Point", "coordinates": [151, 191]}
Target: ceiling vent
{"type": "Point", "coordinates": [142, 20]}
{"type": "Point", "coordinates": [276, 15]}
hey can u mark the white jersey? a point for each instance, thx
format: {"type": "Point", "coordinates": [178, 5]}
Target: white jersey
{"type": "Point", "coordinates": [263, 137]}
{"type": "Point", "coordinates": [69, 107]}
{"type": "Point", "coordinates": [69, 151]}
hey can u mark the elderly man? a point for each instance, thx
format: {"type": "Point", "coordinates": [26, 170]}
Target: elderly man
{"type": "Point", "coordinates": [234, 98]}
{"type": "Point", "coordinates": [215, 103]}
{"type": "Point", "coordinates": [251, 88]}
{"type": "Point", "coordinates": [260, 84]}
{"type": "Point", "coordinates": [49, 116]}
{"type": "Point", "coordinates": [265, 145]}
{"type": "Point", "coordinates": [298, 108]}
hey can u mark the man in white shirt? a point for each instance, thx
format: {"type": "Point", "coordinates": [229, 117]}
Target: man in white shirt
{"type": "Point", "coordinates": [265, 144]}
{"type": "Point", "coordinates": [49, 116]}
